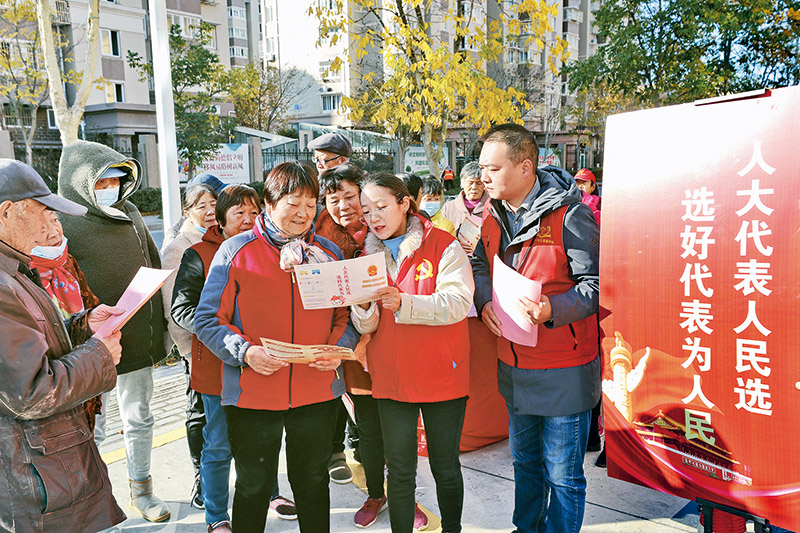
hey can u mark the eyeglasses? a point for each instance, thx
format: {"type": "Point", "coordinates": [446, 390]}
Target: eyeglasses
{"type": "Point", "coordinates": [320, 160]}
{"type": "Point", "coordinates": [379, 213]}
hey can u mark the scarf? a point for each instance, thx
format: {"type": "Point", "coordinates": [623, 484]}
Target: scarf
{"type": "Point", "coordinates": [59, 283]}
{"type": "Point", "coordinates": [295, 249]}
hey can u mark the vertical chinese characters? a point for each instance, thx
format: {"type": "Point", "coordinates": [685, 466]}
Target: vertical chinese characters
{"type": "Point", "coordinates": [752, 279]}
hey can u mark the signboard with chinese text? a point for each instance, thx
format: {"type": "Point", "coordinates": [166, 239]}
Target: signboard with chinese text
{"type": "Point", "coordinates": [231, 164]}
{"type": "Point", "coordinates": [699, 270]}
{"type": "Point", "coordinates": [417, 162]}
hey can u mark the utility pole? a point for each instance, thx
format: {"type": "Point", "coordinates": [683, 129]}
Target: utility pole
{"type": "Point", "coordinates": [165, 113]}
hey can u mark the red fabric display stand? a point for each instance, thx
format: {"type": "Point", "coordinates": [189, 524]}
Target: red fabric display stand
{"type": "Point", "coordinates": [486, 419]}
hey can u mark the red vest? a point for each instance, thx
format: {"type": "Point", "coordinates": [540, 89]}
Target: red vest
{"type": "Point", "coordinates": [415, 362]}
{"type": "Point", "coordinates": [543, 259]}
{"type": "Point", "coordinates": [269, 304]}
{"type": "Point", "coordinates": [206, 368]}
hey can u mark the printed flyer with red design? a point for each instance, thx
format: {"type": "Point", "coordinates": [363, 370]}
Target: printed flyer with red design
{"type": "Point", "coordinates": [700, 293]}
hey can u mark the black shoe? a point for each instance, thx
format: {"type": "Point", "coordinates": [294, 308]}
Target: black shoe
{"type": "Point", "coordinates": [196, 499]}
{"type": "Point", "coordinates": [601, 459]}
{"type": "Point", "coordinates": [357, 455]}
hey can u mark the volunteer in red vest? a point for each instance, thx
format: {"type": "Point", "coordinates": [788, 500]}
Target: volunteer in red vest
{"type": "Point", "coordinates": [235, 212]}
{"type": "Point", "coordinates": [418, 357]}
{"type": "Point", "coordinates": [536, 223]}
{"type": "Point", "coordinates": [250, 294]}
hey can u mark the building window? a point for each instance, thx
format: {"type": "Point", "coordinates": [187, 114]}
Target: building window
{"type": "Point", "coordinates": [239, 51]}
{"type": "Point", "coordinates": [237, 13]}
{"type": "Point", "coordinates": [326, 74]}
{"type": "Point", "coordinates": [110, 41]}
{"type": "Point", "coordinates": [237, 33]}
{"type": "Point", "coordinates": [330, 102]}
{"type": "Point", "coordinates": [51, 120]}
{"type": "Point", "coordinates": [22, 118]}
{"type": "Point", "coordinates": [268, 14]}
{"type": "Point", "coordinates": [191, 28]}
{"type": "Point", "coordinates": [115, 92]}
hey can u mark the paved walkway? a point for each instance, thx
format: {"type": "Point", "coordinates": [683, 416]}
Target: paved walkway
{"type": "Point", "coordinates": [612, 506]}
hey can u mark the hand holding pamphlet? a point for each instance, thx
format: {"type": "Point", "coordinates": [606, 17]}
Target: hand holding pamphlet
{"type": "Point", "coordinates": [508, 286]}
{"type": "Point", "coordinates": [341, 283]}
{"type": "Point", "coordinates": [302, 354]}
{"type": "Point", "coordinates": [470, 232]}
{"type": "Point", "coordinates": [141, 288]}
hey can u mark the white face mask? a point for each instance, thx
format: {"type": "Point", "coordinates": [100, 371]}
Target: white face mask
{"type": "Point", "coordinates": [431, 207]}
{"type": "Point", "coordinates": [107, 197]}
{"type": "Point", "coordinates": [50, 252]}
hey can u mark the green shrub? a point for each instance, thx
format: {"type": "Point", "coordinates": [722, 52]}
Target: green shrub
{"type": "Point", "coordinates": [148, 200]}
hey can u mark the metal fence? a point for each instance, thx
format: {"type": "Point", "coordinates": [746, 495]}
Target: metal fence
{"type": "Point", "coordinates": [370, 160]}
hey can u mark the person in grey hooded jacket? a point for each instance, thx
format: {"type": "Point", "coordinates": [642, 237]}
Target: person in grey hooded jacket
{"type": "Point", "coordinates": [110, 244]}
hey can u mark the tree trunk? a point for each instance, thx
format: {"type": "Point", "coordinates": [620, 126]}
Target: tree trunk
{"type": "Point", "coordinates": [431, 152]}
{"type": "Point", "coordinates": [29, 137]}
{"type": "Point", "coordinates": [69, 118]}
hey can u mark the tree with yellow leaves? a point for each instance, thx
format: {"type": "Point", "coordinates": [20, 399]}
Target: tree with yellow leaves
{"type": "Point", "coordinates": [436, 60]}
{"type": "Point", "coordinates": [23, 80]}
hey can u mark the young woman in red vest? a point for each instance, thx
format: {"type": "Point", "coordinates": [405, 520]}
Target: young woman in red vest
{"type": "Point", "coordinates": [418, 357]}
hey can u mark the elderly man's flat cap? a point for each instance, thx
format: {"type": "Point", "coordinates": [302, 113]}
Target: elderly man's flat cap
{"type": "Point", "coordinates": [336, 143]}
{"type": "Point", "coordinates": [19, 181]}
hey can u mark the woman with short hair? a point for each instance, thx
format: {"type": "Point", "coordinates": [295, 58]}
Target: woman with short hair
{"type": "Point", "coordinates": [250, 294]}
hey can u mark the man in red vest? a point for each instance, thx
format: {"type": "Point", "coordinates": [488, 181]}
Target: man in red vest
{"type": "Point", "coordinates": [536, 224]}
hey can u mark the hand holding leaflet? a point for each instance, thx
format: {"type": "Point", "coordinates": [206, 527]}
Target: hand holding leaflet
{"type": "Point", "coordinates": [470, 232]}
{"type": "Point", "coordinates": [141, 288]}
{"type": "Point", "coordinates": [298, 353]}
{"type": "Point", "coordinates": [341, 283]}
{"type": "Point", "coordinates": [508, 286]}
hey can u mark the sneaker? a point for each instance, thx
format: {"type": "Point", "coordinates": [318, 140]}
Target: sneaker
{"type": "Point", "coordinates": [223, 526]}
{"type": "Point", "coordinates": [284, 508]}
{"type": "Point", "coordinates": [338, 469]}
{"type": "Point", "coordinates": [420, 519]}
{"type": "Point", "coordinates": [368, 514]}
{"type": "Point", "coordinates": [196, 499]}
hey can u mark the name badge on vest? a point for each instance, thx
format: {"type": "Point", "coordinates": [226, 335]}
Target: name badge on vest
{"type": "Point", "coordinates": [545, 235]}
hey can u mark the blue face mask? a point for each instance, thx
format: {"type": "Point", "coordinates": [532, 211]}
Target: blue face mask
{"type": "Point", "coordinates": [107, 197]}
{"type": "Point", "coordinates": [201, 229]}
{"type": "Point", "coordinates": [431, 207]}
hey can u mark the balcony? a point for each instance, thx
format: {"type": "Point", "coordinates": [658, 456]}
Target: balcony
{"type": "Point", "coordinates": [61, 14]}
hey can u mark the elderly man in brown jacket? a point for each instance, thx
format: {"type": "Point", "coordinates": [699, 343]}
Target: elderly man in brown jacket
{"type": "Point", "coordinates": [50, 470]}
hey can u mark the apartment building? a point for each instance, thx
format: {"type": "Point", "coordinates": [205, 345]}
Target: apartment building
{"type": "Point", "coordinates": [521, 63]}
{"type": "Point", "coordinates": [290, 37]}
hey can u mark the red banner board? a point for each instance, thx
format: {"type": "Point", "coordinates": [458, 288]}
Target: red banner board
{"type": "Point", "coordinates": [700, 270]}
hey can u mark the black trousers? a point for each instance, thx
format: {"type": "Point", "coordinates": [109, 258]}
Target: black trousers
{"type": "Point", "coordinates": [370, 442]}
{"type": "Point", "coordinates": [255, 438]}
{"type": "Point", "coordinates": [343, 427]}
{"type": "Point", "coordinates": [195, 421]}
{"type": "Point", "coordinates": [443, 424]}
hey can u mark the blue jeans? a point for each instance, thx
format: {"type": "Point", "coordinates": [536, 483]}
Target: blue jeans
{"type": "Point", "coordinates": [550, 486]}
{"type": "Point", "coordinates": [215, 461]}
